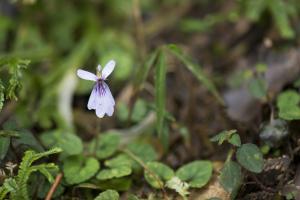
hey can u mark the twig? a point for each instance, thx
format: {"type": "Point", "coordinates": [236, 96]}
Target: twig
{"type": "Point", "coordinates": [137, 159]}
{"type": "Point", "coordinates": [54, 186]}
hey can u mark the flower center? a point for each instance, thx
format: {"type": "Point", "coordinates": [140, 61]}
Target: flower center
{"type": "Point", "coordinates": [100, 87]}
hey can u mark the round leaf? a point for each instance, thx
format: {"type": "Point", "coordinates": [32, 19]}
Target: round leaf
{"type": "Point", "coordinates": [142, 150]}
{"type": "Point", "coordinates": [231, 177]}
{"type": "Point", "coordinates": [250, 157]}
{"type": "Point", "coordinates": [196, 173]}
{"type": "Point", "coordinates": [288, 105]}
{"type": "Point", "coordinates": [78, 169]}
{"type": "Point", "coordinates": [116, 172]}
{"type": "Point", "coordinates": [159, 172]}
{"type": "Point", "coordinates": [70, 143]}
{"type": "Point", "coordinates": [108, 195]}
{"type": "Point", "coordinates": [106, 145]}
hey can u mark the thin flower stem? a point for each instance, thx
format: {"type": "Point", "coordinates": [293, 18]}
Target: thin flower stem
{"type": "Point", "coordinates": [138, 160]}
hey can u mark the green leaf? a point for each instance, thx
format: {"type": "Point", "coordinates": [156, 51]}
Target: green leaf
{"type": "Point", "coordinates": [235, 140]}
{"type": "Point", "coordinates": [78, 169]}
{"type": "Point", "coordinates": [142, 150]}
{"type": "Point", "coordinates": [196, 70]}
{"type": "Point", "coordinates": [4, 145]}
{"type": "Point", "coordinates": [281, 18]}
{"type": "Point", "coordinates": [106, 145]}
{"type": "Point", "coordinates": [227, 135]}
{"type": "Point", "coordinates": [250, 157]}
{"type": "Point", "coordinates": [158, 173]}
{"type": "Point", "coordinates": [2, 91]}
{"type": "Point", "coordinates": [231, 177]}
{"type": "Point", "coordinates": [160, 92]}
{"type": "Point", "coordinates": [288, 105]}
{"type": "Point", "coordinates": [115, 172]}
{"type": "Point", "coordinates": [196, 173]}
{"type": "Point", "coordinates": [120, 184]}
{"type": "Point", "coordinates": [9, 133]}
{"type": "Point", "coordinates": [258, 88]}
{"type": "Point", "coordinates": [120, 160]}
{"type": "Point", "coordinates": [70, 143]}
{"type": "Point", "coordinates": [108, 195]}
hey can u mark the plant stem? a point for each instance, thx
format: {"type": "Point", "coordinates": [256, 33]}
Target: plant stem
{"type": "Point", "coordinates": [138, 160]}
{"type": "Point", "coordinates": [230, 154]}
{"type": "Point", "coordinates": [54, 186]}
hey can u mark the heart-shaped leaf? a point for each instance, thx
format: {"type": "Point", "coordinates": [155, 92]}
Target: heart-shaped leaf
{"type": "Point", "coordinates": [288, 105]}
{"type": "Point", "coordinates": [78, 169]}
{"type": "Point", "coordinates": [231, 177]}
{"type": "Point", "coordinates": [196, 173]}
{"type": "Point", "coordinates": [115, 172]}
{"type": "Point", "coordinates": [250, 157]}
{"type": "Point", "coordinates": [108, 195]}
{"type": "Point", "coordinates": [159, 173]}
{"type": "Point", "coordinates": [70, 143]}
{"type": "Point", "coordinates": [142, 150]}
{"type": "Point", "coordinates": [106, 145]}
{"type": "Point", "coordinates": [119, 160]}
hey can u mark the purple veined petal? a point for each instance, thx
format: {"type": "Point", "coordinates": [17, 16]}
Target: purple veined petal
{"type": "Point", "coordinates": [105, 103]}
{"type": "Point", "coordinates": [86, 75]}
{"type": "Point", "coordinates": [107, 70]}
{"type": "Point", "coordinates": [92, 103]}
{"type": "Point", "coordinates": [99, 68]}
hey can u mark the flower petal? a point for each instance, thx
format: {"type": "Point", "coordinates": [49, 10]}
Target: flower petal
{"type": "Point", "coordinates": [109, 67]}
{"type": "Point", "coordinates": [99, 68]}
{"type": "Point", "coordinates": [86, 75]}
{"type": "Point", "coordinates": [105, 103]}
{"type": "Point", "coordinates": [108, 94]}
{"type": "Point", "coordinates": [92, 103]}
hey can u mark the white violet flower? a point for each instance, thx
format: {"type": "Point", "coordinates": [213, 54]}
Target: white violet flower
{"type": "Point", "coordinates": [101, 98]}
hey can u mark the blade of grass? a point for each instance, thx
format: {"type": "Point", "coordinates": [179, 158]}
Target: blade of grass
{"type": "Point", "coordinates": [196, 70]}
{"type": "Point", "coordinates": [160, 91]}
{"type": "Point", "coordinates": [143, 71]}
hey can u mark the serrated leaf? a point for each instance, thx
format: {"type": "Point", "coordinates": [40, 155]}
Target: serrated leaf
{"type": "Point", "coordinates": [106, 145]}
{"type": "Point", "coordinates": [115, 172]}
{"type": "Point", "coordinates": [223, 136]}
{"type": "Point", "coordinates": [288, 105]}
{"type": "Point", "coordinates": [250, 157]}
{"type": "Point", "coordinates": [108, 195]}
{"type": "Point", "coordinates": [159, 173]}
{"type": "Point", "coordinates": [70, 143]}
{"type": "Point", "coordinates": [231, 177]}
{"type": "Point", "coordinates": [196, 174]}
{"type": "Point", "coordinates": [78, 169]}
